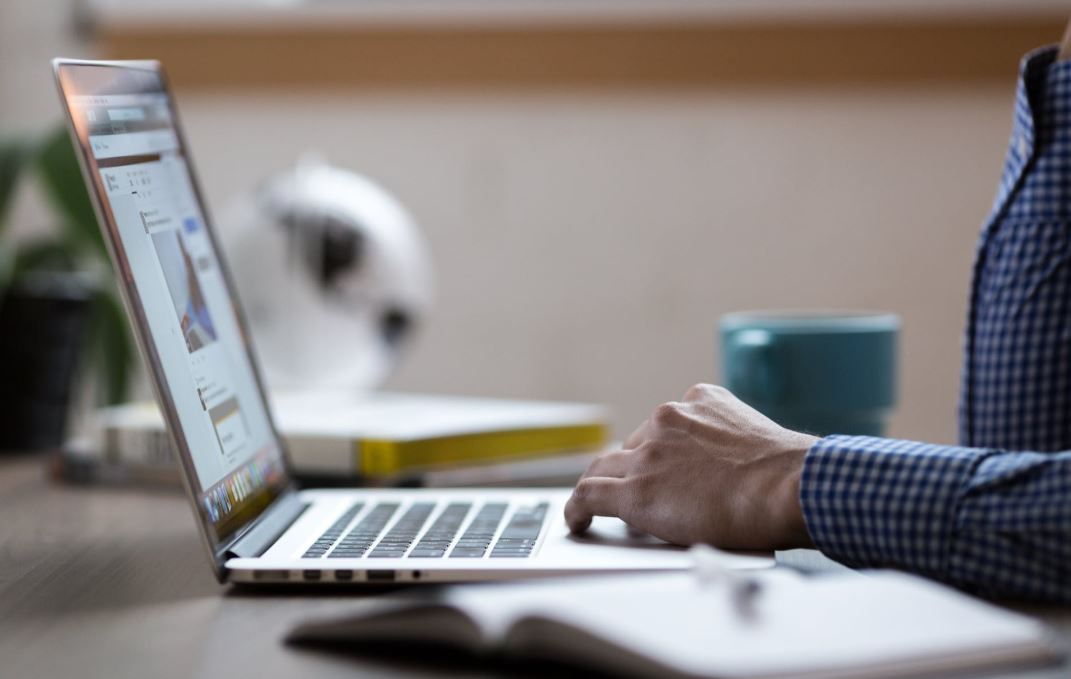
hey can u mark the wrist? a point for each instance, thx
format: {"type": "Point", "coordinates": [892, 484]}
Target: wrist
{"type": "Point", "coordinates": [792, 528]}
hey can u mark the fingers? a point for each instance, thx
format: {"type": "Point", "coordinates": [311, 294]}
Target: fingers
{"type": "Point", "coordinates": [634, 532]}
{"type": "Point", "coordinates": [615, 463]}
{"type": "Point", "coordinates": [636, 438]}
{"type": "Point", "coordinates": [594, 496]}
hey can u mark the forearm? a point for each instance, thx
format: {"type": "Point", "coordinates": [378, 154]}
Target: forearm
{"type": "Point", "coordinates": [990, 521]}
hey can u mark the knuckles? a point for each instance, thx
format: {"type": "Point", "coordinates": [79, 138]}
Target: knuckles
{"type": "Point", "coordinates": [669, 414]}
{"type": "Point", "coordinates": [697, 391]}
{"type": "Point", "coordinates": [582, 491]}
{"type": "Point", "coordinates": [676, 413]}
{"type": "Point", "coordinates": [702, 391]}
{"type": "Point", "coordinates": [649, 454]}
{"type": "Point", "coordinates": [592, 468]}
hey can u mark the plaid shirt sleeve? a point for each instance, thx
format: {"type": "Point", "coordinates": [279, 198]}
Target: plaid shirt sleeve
{"type": "Point", "coordinates": [980, 516]}
{"type": "Point", "coordinates": [998, 523]}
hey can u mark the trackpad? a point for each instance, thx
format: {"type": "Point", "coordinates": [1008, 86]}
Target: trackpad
{"type": "Point", "coordinates": [611, 532]}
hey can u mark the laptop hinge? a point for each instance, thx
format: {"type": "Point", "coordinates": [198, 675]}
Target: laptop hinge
{"type": "Point", "coordinates": [268, 527]}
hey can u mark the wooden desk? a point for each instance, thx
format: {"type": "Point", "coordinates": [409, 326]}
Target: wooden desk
{"type": "Point", "coordinates": [104, 582]}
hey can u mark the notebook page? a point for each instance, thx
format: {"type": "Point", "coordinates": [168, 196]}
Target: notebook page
{"type": "Point", "coordinates": [881, 622]}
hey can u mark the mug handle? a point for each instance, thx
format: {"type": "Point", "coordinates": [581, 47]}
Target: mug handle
{"type": "Point", "coordinates": [756, 367]}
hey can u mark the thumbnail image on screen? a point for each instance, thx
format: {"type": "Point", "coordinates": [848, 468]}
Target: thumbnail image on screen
{"type": "Point", "coordinates": [185, 289]}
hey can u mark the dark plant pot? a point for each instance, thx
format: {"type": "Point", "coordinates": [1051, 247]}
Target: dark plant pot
{"type": "Point", "coordinates": [43, 323]}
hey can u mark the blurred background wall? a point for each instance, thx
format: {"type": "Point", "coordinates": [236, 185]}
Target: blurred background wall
{"type": "Point", "coordinates": [587, 238]}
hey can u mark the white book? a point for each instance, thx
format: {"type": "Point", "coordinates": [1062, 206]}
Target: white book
{"type": "Point", "coordinates": [881, 624]}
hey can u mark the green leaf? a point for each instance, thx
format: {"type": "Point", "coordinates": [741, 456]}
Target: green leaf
{"type": "Point", "coordinates": [42, 254]}
{"type": "Point", "coordinates": [62, 178]}
{"type": "Point", "coordinates": [109, 347]}
{"type": "Point", "coordinates": [12, 154]}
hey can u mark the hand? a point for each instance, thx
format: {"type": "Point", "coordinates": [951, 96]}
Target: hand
{"type": "Point", "coordinates": [708, 469]}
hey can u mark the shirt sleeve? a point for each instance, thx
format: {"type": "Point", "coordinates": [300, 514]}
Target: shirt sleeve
{"type": "Point", "coordinates": [994, 522]}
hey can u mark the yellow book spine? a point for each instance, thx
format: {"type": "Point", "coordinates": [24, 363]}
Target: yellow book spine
{"type": "Point", "coordinates": [377, 457]}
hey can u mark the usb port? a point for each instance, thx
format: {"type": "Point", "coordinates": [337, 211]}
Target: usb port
{"type": "Point", "coordinates": [312, 575]}
{"type": "Point", "coordinates": [344, 575]}
{"type": "Point", "coordinates": [381, 576]}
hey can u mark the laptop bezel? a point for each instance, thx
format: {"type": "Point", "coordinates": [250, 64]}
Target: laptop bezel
{"type": "Point", "coordinates": [218, 550]}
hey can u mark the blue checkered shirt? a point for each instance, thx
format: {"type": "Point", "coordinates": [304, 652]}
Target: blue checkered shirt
{"type": "Point", "coordinates": [993, 515]}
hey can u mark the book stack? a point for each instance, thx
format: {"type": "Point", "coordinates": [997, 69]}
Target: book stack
{"type": "Point", "coordinates": [374, 439]}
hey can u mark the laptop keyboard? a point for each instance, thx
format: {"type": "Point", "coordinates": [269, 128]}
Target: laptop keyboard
{"type": "Point", "coordinates": [438, 538]}
{"type": "Point", "coordinates": [396, 543]}
{"type": "Point", "coordinates": [361, 536]}
{"type": "Point", "coordinates": [481, 531]}
{"type": "Point", "coordinates": [517, 539]}
{"type": "Point", "coordinates": [320, 547]}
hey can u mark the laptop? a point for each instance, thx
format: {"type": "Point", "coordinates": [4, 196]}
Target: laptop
{"type": "Point", "coordinates": [257, 525]}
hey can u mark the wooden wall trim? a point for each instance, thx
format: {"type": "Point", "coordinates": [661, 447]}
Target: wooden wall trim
{"type": "Point", "coordinates": [688, 55]}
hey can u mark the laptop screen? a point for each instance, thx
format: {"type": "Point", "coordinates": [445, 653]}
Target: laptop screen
{"type": "Point", "coordinates": [178, 293]}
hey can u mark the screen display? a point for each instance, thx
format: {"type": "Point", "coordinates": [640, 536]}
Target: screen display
{"type": "Point", "coordinates": [168, 261]}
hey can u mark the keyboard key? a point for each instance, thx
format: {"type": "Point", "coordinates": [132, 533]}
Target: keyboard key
{"type": "Point", "coordinates": [480, 531]}
{"type": "Point", "coordinates": [324, 542]}
{"type": "Point", "coordinates": [395, 543]}
{"type": "Point", "coordinates": [458, 553]}
{"type": "Point", "coordinates": [441, 533]}
{"type": "Point", "coordinates": [519, 536]}
{"type": "Point", "coordinates": [354, 544]}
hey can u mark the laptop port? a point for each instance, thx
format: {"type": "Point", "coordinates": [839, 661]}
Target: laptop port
{"type": "Point", "coordinates": [380, 576]}
{"type": "Point", "coordinates": [271, 575]}
{"type": "Point", "coordinates": [312, 575]}
{"type": "Point", "coordinates": [344, 576]}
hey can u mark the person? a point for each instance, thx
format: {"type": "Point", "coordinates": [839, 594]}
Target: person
{"type": "Point", "coordinates": [992, 515]}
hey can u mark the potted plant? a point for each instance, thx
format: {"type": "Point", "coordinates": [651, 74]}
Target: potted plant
{"type": "Point", "coordinates": [60, 318]}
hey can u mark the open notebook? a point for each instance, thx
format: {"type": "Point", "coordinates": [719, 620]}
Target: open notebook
{"type": "Point", "coordinates": [882, 624]}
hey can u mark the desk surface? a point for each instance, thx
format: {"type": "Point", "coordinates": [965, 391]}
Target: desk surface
{"type": "Point", "coordinates": [112, 583]}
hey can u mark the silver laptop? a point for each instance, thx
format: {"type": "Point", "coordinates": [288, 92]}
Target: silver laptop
{"type": "Point", "coordinates": [257, 525]}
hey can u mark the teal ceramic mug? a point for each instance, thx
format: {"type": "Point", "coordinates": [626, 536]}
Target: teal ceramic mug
{"type": "Point", "coordinates": [822, 372]}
